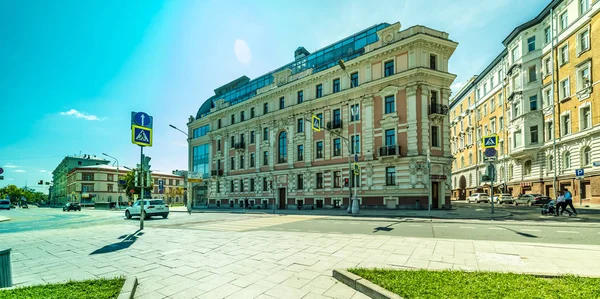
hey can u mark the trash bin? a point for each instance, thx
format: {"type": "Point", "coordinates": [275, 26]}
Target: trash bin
{"type": "Point", "coordinates": [5, 269]}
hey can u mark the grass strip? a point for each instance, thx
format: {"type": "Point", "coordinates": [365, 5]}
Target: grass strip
{"type": "Point", "coordinates": [102, 288]}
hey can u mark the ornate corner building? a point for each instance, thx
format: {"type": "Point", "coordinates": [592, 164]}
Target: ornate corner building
{"type": "Point", "coordinates": [254, 139]}
{"type": "Point", "coordinates": [539, 96]}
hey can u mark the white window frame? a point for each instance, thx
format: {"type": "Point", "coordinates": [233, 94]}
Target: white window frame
{"type": "Point", "coordinates": [562, 95]}
{"type": "Point", "coordinates": [562, 61]}
{"type": "Point", "coordinates": [547, 66]}
{"type": "Point", "coordinates": [520, 140]}
{"type": "Point", "coordinates": [563, 22]}
{"type": "Point", "coordinates": [534, 79]}
{"type": "Point", "coordinates": [549, 127]}
{"type": "Point", "coordinates": [562, 122]}
{"type": "Point", "coordinates": [493, 125]}
{"type": "Point", "coordinates": [439, 137]}
{"type": "Point", "coordinates": [565, 166]}
{"type": "Point", "coordinates": [580, 48]}
{"type": "Point", "coordinates": [580, 82]}
{"type": "Point", "coordinates": [547, 96]}
{"type": "Point", "coordinates": [580, 6]}
{"type": "Point", "coordinates": [583, 157]}
{"type": "Point", "coordinates": [582, 116]}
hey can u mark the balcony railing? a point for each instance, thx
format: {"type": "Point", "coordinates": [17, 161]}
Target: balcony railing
{"type": "Point", "coordinates": [389, 150]}
{"type": "Point", "coordinates": [335, 124]}
{"type": "Point", "coordinates": [239, 145]}
{"type": "Point", "coordinates": [218, 172]}
{"type": "Point", "coordinates": [438, 109]}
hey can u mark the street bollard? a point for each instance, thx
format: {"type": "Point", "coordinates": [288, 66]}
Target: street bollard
{"type": "Point", "coordinates": [5, 269]}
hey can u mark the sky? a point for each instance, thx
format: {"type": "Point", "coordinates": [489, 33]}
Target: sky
{"type": "Point", "coordinates": [72, 71]}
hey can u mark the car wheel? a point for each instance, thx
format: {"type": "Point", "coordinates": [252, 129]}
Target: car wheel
{"type": "Point", "coordinates": [165, 216]}
{"type": "Point", "coordinates": [127, 215]}
{"type": "Point", "coordinates": [529, 203]}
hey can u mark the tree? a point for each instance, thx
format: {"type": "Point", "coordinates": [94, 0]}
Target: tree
{"type": "Point", "coordinates": [130, 184]}
{"type": "Point", "coordinates": [15, 193]}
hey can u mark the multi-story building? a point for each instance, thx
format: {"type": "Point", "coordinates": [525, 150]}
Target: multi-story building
{"type": "Point", "coordinates": [99, 185]}
{"type": "Point", "coordinates": [254, 139]}
{"type": "Point", "coordinates": [59, 194]}
{"type": "Point", "coordinates": [543, 85]}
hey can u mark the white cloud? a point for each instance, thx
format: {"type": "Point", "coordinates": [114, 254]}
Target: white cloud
{"type": "Point", "coordinates": [78, 114]}
{"type": "Point", "coordinates": [10, 166]}
{"type": "Point", "coordinates": [11, 179]}
{"type": "Point", "coordinates": [20, 170]}
{"type": "Point", "coordinates": [242, 51]}
{"type": "Point", "coordinates": [43, 170]}
{"type": "Point", "coordinates": [456, 87]}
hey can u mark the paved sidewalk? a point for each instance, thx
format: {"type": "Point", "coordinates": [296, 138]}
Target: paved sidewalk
{"type": "Point", "coordinates": [483, 213]}
{"type": "Point", "coordinates": [178, 263]}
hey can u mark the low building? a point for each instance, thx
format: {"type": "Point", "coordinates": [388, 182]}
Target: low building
{"type": "Point", "coordinates": [174, 186]}
{"type": "Point", "coordinates": [59, 193]}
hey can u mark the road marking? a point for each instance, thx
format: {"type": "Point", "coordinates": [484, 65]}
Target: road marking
{"type": "Point", "coordinates": [496, 228]}
{"type": "Point", "coordinates": [445, 226]}
{"type": "Point", "coordinates": [530, 230]}
{"type": "Point", "coordinates": [294, 230]}
{"type": "Point", "coordinates": [467, 227]}
{"type": "Point", "coordinates": [335, 232]}
{"type": "Point", "coordinates": [566, 232]}
{"type": "Point", "coordinates": [314, 231]}
{"type": "Point", "coordinates": [415, 225]}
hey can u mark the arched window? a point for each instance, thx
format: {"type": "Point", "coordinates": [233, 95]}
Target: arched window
{"type": "Point", "coordinates": [551, 163]}
{"type": "Point", "coordinates": [510, 171]}
{"type": "Point", "coordinates": [462, 162]}
{"type": "Point", "coordinates": [470, 158]}
{"type": "Point", "coordinates": [502, 177]}
{"type": "Point", "coordinates": [567, 160]}
{"type": "Point", "coordinates": [282, 154]}
{"type": "Point", "coordinates": [586, 156]}
{"type": "Point", "coordinates": [527, 168]}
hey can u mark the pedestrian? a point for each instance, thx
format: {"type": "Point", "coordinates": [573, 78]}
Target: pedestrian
{"type": "Point", "coordinates": [561, 204]}
{"type": "Point", "coordinates": [245, 204]}
{"type": "Point", "coordinates": [569, 201]}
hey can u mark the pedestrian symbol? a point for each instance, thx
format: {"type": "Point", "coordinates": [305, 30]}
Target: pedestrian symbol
{"type": "Point", "coordinates": [141, 135]}
{"type": "Point", "coordinates": [316, 123]}
{"type": "Point", "coordinates": [490, 141]}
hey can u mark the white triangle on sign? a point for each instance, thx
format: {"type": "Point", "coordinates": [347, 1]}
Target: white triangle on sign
{"type": "Point", "coordinates": [490, 141]}
{"type": "Point", "coordinates": [142, 136]}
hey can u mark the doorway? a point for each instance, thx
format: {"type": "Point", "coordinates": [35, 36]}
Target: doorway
{"type": "Point", "coordinates": [282, 198]}
{"type": "Point", "coordinates": [435, 194]}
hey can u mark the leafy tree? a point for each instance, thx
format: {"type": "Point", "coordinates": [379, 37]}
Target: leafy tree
{"type": "Point", "coordinates": [15, 193]}
{"type": "Point", "coordinates": [130, 184]}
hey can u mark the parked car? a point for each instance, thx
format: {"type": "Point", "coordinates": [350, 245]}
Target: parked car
{"type": "Point", "coordinates": [5, 204]}
{"type": "Point", "coordinates": [152, 207]}
{"type": "Point", "coordinates": [504, 198]}
{"type": "Point", "coordinates": [72, 206]}
{"type": "Point", "coordinates": [532, 199]}
{"type": "Point", "coordinates": [478, 197]}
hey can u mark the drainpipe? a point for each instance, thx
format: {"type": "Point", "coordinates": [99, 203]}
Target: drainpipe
{"type": "Point", "coordinates": [554, 102]}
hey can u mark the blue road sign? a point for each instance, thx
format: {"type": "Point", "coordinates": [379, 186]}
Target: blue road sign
{"type": "Point", "coordinates": [355, 158]}
{"type": "Point", "coordinates": [161, 186]}
{"type": "Point", "coordinates": [579, 172]}
{"type": "Point", "coordinates": [490, 141]}
{"type": "Point", "coordinates": [490, 152]}
{"type": "Point", "coordinates": [1, 170]}
{"type": "Point", "coordinates": [141, 136]}
{"type": "Point", "coordinates": [141, 119]}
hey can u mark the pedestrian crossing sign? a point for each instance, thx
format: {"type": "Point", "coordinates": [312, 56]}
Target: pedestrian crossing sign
{"type": "Point", "coordinates": [316, 123]}
{"type": "Point", "coordinates": [141, 136]}
{"type": "Point", "coordinates": [490, 141]}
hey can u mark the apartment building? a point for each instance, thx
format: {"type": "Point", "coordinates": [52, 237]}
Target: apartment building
{"type": "Point", "coordinates": [58, 192]}
{"type": "Point", "coordinates": [543, 84]}
{"type": "Point", "coordinates": [388, 109]}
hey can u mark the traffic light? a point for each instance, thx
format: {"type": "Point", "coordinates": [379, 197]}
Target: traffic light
{"type": "Point", "coordinates": [41, 182]}
{"type": "Point", "coordinates": [137, 178]}
{"type": "Point", "coordinates": [146, 163]}
{"type": "Point", "coordinates": [346, 182]}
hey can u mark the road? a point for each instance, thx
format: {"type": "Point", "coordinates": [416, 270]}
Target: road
{"type": "Point", "coordinates": [584, 229]}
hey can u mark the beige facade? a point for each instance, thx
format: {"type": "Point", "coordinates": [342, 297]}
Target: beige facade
{"type": "Point", "coordinates": [544, 84]}
{"type": "Point", "coordinates": [263, 148]}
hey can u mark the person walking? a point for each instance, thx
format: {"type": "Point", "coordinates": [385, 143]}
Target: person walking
{"type": "Point", "coordinates": [561, 205]}
{"type": "Point", "coordinates": [569, 200]}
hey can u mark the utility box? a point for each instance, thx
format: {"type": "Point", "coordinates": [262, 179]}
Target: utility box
{"type": "Point", "coordinates": [5, 269]}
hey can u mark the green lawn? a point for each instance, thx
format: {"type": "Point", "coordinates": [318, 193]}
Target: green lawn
{"type": "Point", "coordinates": [92, 289]}
{"type": "Point", "coordinates": [457, 284]}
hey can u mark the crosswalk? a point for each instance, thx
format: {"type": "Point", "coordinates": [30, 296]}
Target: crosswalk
{"type": "Point", "coordinates": [246, 224]}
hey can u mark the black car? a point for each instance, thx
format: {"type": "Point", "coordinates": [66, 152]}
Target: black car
{"type": "Point", "coordinates": [71, 206]}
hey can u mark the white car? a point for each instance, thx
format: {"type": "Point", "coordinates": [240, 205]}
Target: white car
{"type": "Point", "coordinates": [4, 204]}
{"type": "Point", "coordinates": [478, 197]}
{"type": "Point", "coordinates": [152, 207]}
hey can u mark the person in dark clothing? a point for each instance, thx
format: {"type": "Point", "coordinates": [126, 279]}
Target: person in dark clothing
{"type": "Point", "coordinates": [569, 201]}
{"type": "Point", "coordinates": [561, 205]}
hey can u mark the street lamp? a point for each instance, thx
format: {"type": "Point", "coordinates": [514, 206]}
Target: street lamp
{"type": "Point", "coordinates": [118, 188]}
{"type": "Point", "coordinates": [354, 207]}
{"type": "Point", "coordinates": [189, 201]}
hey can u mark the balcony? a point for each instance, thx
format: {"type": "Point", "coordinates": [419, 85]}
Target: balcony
{"type": "Point", "coordinates": [239, 146]}
{"type": "Point", "coordinates": [438, 109]}
{"type": "Point", "coordinates": [218, 172]}
{"type": "Point", "coordinates": [389, 151]}
{"type": "Point", "coordinates": [335, 124]}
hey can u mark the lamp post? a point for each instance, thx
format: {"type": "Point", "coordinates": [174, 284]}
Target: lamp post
{"type": "Point", "coordinates": [354, 207]}
{"type": "Point", "coordinates": [118, 188]}
{"type": "Point", "coordinates": [189, 201]}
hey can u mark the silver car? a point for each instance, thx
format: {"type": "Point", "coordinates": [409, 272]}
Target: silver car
{"type": "Point", "coordinates": [478, 197]}
{"type": "Point", "coordinates": [5, 204]}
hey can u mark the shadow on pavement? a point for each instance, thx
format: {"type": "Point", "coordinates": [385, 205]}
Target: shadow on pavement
{"type": "Point", "coordinates": [126, 241]}
{"type": "Point", "coordinates": [520, 233]}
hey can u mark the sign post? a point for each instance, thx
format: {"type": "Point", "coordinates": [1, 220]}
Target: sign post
{"type": "Point", "coordinates": [489, 144]}
{"type": "Point", "coordinates": [141, 134]}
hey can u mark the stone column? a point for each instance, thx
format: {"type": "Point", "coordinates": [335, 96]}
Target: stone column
{"type": "Point", "coordinates": [367, 136]}
{"type": "Point", "coordinates": [411, 99]}
{"type": "Point", "coordinates": [225, 151]}
{"type": "Point", "coordinates": [258, 152]}
{"type": "Point", "coordinates": [425, 119]}
{"type": "Point", "coordinates": [446, 122]}
{"type": "Point", "coordinates": [291, 145]}
{"type": "Point", "coordinates": [273, 145]}
{"type": "Point", "coordinates": [308, 142]}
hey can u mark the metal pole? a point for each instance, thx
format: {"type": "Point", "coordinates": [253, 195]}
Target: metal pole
{"type": "Point", "coordinates": [554, 158]}
{"type": "Point", "coordinates": [141, 187]}
{"type": "Point", "coordinates": [429, 183]}
{"type": "Point", "coordinates": [190, 158]}
{"type": "Point", "coordinates": [493, 175]}
{"type": "Point", "coordinates": [353, 206]}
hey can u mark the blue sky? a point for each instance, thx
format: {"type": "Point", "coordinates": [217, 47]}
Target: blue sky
{"type": "Point", "coordinates": [72, 71]}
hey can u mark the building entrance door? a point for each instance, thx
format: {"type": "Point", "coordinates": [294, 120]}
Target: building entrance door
{"type": "Point", "coordinates": [282, 198]}
{"type": "Point", "coordinates": [435, 195]}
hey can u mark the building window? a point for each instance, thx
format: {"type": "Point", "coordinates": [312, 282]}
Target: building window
{"type": "Point", "coordinates": [336, 179]}
{"type": "Point", "coordinates": [355, 140]}
{"type": "Point", "coordinates": [515, 54]}
{"type": "Point", "coordinates": [516, 110]}
{"type": "Point", "coordinates": [435, 137]}
{"type": "Point", "coordinates": [265, 158]}
{"type": "Point", "coordinates": [585, 118]}
{"type": "Point", "coordinates": [218, 187]}
{"type": "Point", "coordinates": [493, 125]}
{"type": "Point", "coordinates": [319, 180]}
{"type": "Point", "coordinates": [319, 91]}
{"type": "Point", "coordinates": [87, 176]}
{"type": "Point", "coordinates": [584, 42]}
{"type": "Point", "coordinates": [548, 97]}
{"type": "Point", "coordinates": [565, 89]}
{"type": "Point", "coordinates": [232, 163]}
{"type": "Point", "coordinates": [493, 104]}
{"type": "Point", "coordinates": [218, 144]}
{"type": "Point", "coordinates": [354, 112]}
{"type": "Point", "coordinates": [233, 119]}
{"type": "Point", "coordinates": [532, 74]}
{"type": "Point", "coordinates": [282, 103]}
{"type": "Point", "coordinates": [533, 103]}
{"type": "Point", "coordinates": [432, 62]}
{"type": "Point", "coordinates": [265, 184]}
{"type": "Point", "coordinates": [390, 176]}
{"type": "Point", "coordinates": [109, 187]}
{"type": "Point", "coordinates": [265, 134]}
{"type": "Point", "coordinates": [282, 154]}
{"type": "Point", "coordinates": [550, 163]}
{"type": "Point", "coordinates": [354, 79]}
{"type": "Point", "coordinates": [533, 130]}
{"type": "Point", "coordinates": [549, 130]}
{"type": "Point", "coordinates": [337, 117]}
{"type": "Point", "coordinates": [566, 124]}
{"type": "Point", "coordinates": [518, 139]}
{"type": "Point", "coordinates": [336, 85]}
{"type": "Point", "coordinates": [527, 168]}
{"type": "Point", "coordinates": [232, 142]}
{"type": "Point", "coordinates": [242, 185]}
{"type": "Point", "coordinates": [242, 116]}
{"type": "Point", "coordinates": [252, 137]}
{"type": "Point", "coordinates": [265, 108]}
{"type": "Point", "coordinates": [583, 77]}
{"type": "Point", "coordinates": [218, 123]}
{"type": "Point", "coordinates": [586, 156]}
{"type": "Point", "coordinates": [252, 160]}
{"type": "Point", "coordinates": [300, 97]}
{"type": "Point", "coordinates": [300, 152]}
{"type": "Point", "coordinates": [251, 112]}
{"type": "Point", "coordinates": [390, 137]}
{"type": "Point", "coordinates": [242, 159]}
{"type": "Point", "coordinates": [547, 35]}
{"type": "Point", "coordinates": [531, 44]}
{"type": "Point", "coordinates": [319, 149]}
{"type": "Point", "coordinates": [300, 125]}
{"type": "Point", "coordinates": [337, 147]}
{"type": "Point", "coordinates": [231, 186]}
{"type": "Point", "coordinates": [564, 55]}
{"type": "Point", "coordinates": [567, 160]}
{"type": "Point", "coordinates": [584, 5]}
{"type": "Point", "coordinates": [251, 185]}
{"type": "Point", "coordinates": [320, 116]}
{"type": "Point", "coordinates": [390, 104]}
{"type": "Point", "coordinates": [300, 182]}
{"type": "Point", "coordinates": [564, 21]}
{"type": "Point", "coordinates": [389, 68]}
{"type": "Point", "coordinates": [470, 159]}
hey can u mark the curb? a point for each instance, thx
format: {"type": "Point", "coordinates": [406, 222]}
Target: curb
{"type": "Point", "coordinates": [362, 285]}
{"type": "Point", "coordinates": [129, 287]}
{"type": "Point", "coordinates": [2, 219]}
